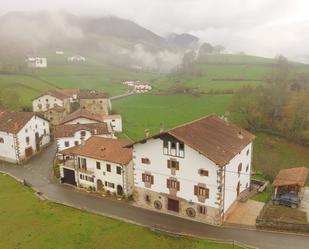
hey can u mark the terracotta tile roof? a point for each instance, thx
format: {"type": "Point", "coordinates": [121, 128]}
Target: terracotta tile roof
{"type": "Point", "coordinates": [70, 130]}
{"type": "Point", "coordinates": [12, 122]}
{"type": "Point", "coordinates": [213, 137]}
{"type": "Point", "coordinates": [83, 114]}
{"type": "Point", "coordinates": [292, 176]}
{"type": "Point", "coordinates": [57, 108]}
{"type": "Point", "coordinates": [86, 94]}
{"type": "Point", "coordinates": [60, 93]}
{"type": "Point", "coordinates": [105, 149]}
{"type": "Point", "coordinates": [114, 116]}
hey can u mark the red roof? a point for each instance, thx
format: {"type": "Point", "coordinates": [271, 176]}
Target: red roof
{"type": "Point", "coordinates": [104, 149]}
{"type": "Point", "coordinates": [81, 113]}
{"type": "Point", "coordinates": [12, 122]}
{"type": "Point", "coordinates": [71, 129]}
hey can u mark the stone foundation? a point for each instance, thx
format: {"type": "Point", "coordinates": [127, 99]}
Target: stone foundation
{"type": "Point", "coordinates": [159, 202]}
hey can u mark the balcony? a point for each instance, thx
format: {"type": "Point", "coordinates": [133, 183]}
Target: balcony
{"type": "Point", "coordinates": [73, 165]}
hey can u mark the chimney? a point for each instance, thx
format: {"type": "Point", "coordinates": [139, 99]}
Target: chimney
{"type": "Point", "coordinates": [147, 133]}
{"type": "Point", "coordinates": [161, 127]}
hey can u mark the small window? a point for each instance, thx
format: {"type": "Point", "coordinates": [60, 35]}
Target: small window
{"type": "Point", "coordinates": [181, 146]}
{"type": "Point", "coordinates": [173, 164]}
{"type": "Point", "coordinates": [147, 198]}
{"type": "Point", "coordinates": [201, 191]}
{"type": "Point", "coordinates": [98, 165]}
{"type": "Point", "coordinates": [147, 178]}
{"type": "Point", "coordinates": [202, 210]}
{"type": "Point", "coordinates": [36, 126]}
{"type": "Point", "coordinates": [248, 152]}
{"type": "Point", "coordinates": [67, 144]}
{"type": "Point", "coordinates": [76, 143]}
{"type": "Point", "coordinates": [83, 133]}
{"type": "Point", "coordinates": [172, 184]}
{"type": "Point", "coordinates": [45, 132]}
{"type": "Point", "coordinates": [1, 140]}
{"type": "Point", "coordinates": [145, 160]}
{"type": "Point", "coordinates": [239, 168]}
{"type": "Point", "coordinates": [27, 140]}
{"type": "Point", "coordinates": [26, 130]}
{"type": "Point", "coordinates": [203, 172]}
{"type": "Point", "coordinates": [109, 184]}
{"type": "Point", "coordinates": [247, 168]}
{"type": "Point", "coordinates": [118, 170]}
{"type": "Point", "coordinates": [165, 144]}
{"type": "Point", "coordinates": [173, 145]}
{"type": "Point", "coordinates": [108, 168]}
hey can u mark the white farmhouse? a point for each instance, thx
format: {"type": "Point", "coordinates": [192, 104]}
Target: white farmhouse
{"type": "Point", "coordinates": [54, 98]}
{"type": "Point", "coordinates": [101, 163]}
{"type": "Point", "coordinates": [22, 134]}
{"type": "Point", "coordinates": [71, 135]}
{"type": "Point", "coordinates": [76, 58]}
{"type": "Point", "coordinates": [83, 116]}
{"type": "Point", "coordinates": [196, 171]}
{"type": "Point", "coordinates": [36, 62]}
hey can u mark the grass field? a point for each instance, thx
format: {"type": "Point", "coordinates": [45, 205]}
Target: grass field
{"type": "Point", "coordinates": [148, 111]}
{"type": "Point", "coordinates": [29, 223]}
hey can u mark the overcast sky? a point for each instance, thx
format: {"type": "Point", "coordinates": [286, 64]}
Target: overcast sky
{"type": "Point", "coordinates": [261, 27]}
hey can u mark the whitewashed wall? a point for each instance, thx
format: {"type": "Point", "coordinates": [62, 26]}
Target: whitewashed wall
{"type": "Point", "coordinates": [115, 123]}
{"type": "Point", "coordinates": [52, 101]}
{"type": "Point", "coordinates": [7, 151]}
{"type": "Point", "coordinates": [82, 121]}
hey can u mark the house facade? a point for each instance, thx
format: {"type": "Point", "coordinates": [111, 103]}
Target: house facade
{"type": "Point", "coordinates": [103, 164]}
{"type": "Point", "coordinates": [115, 122]}
{"type": "Point", "coordinates": [95, 102]}
{"type": "Point", "coordinates": [37, 62]}
{"type": "Point", "coordinates": [68, 136]}
{"type": "Point", "coordinates": [22, 135]}
{"type": "Point", "coordinates": [195, 171]}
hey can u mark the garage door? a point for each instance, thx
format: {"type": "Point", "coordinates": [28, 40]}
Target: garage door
{"type": "Point", "coordinates": [68, 176]}
{"type": "Point", "coordinates": [28, 152]}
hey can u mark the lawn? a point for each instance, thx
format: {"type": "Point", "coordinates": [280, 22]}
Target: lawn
{"type": "Point", "coordinates": [271, 154]}
{"type": "Point", "coordinates": [142, 112]}
{"type": "Point", "coordinates": [28, 223]}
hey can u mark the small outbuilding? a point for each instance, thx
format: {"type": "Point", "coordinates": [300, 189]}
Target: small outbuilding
{"type": "Point", "coordinates": [290, 180]}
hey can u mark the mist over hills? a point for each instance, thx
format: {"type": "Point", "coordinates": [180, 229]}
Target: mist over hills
{"type": "Point", "coordinates": [108, 39]}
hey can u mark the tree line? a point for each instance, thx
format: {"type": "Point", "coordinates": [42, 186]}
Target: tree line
{"type": "Point", "coordinates": [280, 107]}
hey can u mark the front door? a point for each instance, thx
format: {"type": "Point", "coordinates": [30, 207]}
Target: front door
{"type": "Point", "coordinates": [119, 190]}
{"type": "Point", "coordinates": [28, 152]}
{"type": "Point", "coordinates": [37, 141]}
{"type": "Point", "coordinates": [100, 186]}
{"type": "Point", "coordinates": [173, 205]}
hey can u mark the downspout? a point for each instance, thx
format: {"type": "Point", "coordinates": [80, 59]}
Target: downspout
{"type": "Point", "coordinates": [123, 180]}
{"type": "Point", "coordinates": [224, 194]}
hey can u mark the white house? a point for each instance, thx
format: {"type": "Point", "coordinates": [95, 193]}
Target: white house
{"type": "Point", "coordinates": [22, 134]}
{"type": "Point", "coordinates": [82, 116]}
{"type": "Point", "coordinates": [103, 164]}
{"type": "Point", "coordinates": [37, 62]}
{"type": "Point", "coordinates": [115, 122]}
{"type": "Point", "coordinates": [195, 171]}
{"type": "Point", "coordinates": [54, 98]}
{"type": "Point", "coordinates": [71, 135]}
{"type": "Point", "coordinates": [76, 58]}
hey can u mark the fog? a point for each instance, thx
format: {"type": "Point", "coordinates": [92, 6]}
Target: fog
{"type": "Point", "coordinates": [259, 27]}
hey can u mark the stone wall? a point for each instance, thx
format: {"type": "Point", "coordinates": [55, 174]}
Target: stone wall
{"type": "Point", "coordinates": [99, 106]}
{"type": "Point", "coordinates": [140, 196]}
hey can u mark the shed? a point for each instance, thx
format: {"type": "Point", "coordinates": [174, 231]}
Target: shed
{"type": "Point", "coordinates": [292, 179]}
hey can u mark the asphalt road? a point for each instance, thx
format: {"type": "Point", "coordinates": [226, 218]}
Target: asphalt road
{"type": "Point", "coordinates": [39, 173]}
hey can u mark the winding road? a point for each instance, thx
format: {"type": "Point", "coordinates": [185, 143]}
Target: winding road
{"type": "Point", "coordinates": [38, 172]}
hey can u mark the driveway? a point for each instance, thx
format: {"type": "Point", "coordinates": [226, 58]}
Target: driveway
{"type": "Point", "coordinates": [38, 173]}
{"type": "Point", "coordinates": [245, 213]}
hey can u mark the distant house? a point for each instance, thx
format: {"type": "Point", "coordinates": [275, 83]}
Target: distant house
{"type": "Point", "coordinates": [82, 116]}
{"type": "Point", "coordinates": [195, 171]}
{"type": "Point", "coordinates": [22, 134]}
{"type": "Point", "coordinates": [71, 135]}
{"type": "Point", "coordinates": [59, 52]}
{"type": "Point", "coordinates": [36, 62]}
{"type": "Point", "coordinates": [101, 163]}
{"type": "Point", "coordinates": [142, 88]}
{"type": "Point", "coordinates": [55, 98]}
{"type": "Point", "coordinates": [76, 58]}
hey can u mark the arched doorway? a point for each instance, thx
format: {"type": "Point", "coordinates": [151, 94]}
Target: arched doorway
{"type": "Point", "coordinates": [119, 190]}
{"type": "Point", "coordinates": [100, 186]}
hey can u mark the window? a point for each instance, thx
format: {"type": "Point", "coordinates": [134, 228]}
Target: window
{"type": "Point", "coordinates": [86, 178]}
{"type": "Point", "coordinates": [109, 184]}
{"type": "Point", "coordinates": [44, 132]}
{"type": "Point", "coordinates": [247, 168]}
{"type": "Point", "coordinates": [201, 191]}
{"type": "Point", "coordinates": [172, 184]}
{"type": "Point", "coordinates": [83, 133]}
{"type": "Point", "coordinates": [67, 144]}
{"type": "Point", "coordinates": [1, 140]}
{"type": "Point", "coordinates": [147, 198]}
{"type": "Point", "coordinates": [40, 106]}
{"type": "Point", "coordinates": [181, 147]}
{"type": "Point", "coordinates": [118, 170]}
{"type": "Point", "coordinates": [173, 145]}
{"type": "Point", "coordinates": [83, 163]}
{"type": "Point", "coordinates": [165, 144]}
{"type": "Point", "coordinates": [76, 143]}
{"type": "Point", "coordinates": [108, 168]}
{"type": "Point", "coordinates": [26, 130]}
{"type": "Point", "coordinates": [147, 178]}
{"type": "Point", "coordinates": [46, 100]}
{"type": "Point", "coordinates": [145, 160]}
{"type": "Point", "coordinates": [98, 165]}
{"type": "Point", "coordinates": [36, 126]}
{"type": "Point", "coordinates": [203, 172]}
{"type": "Point", "coordinates": [202, 210]}
{"type": "Point", "coordinates": [248, 152]}
{"type": "Point", "coordinates": [27, 140]}
{"type": "Point", "coordinates": [173, 164]}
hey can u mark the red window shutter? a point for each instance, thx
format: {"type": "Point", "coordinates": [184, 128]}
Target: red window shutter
{"type": "Point", "coordinates": [177, 165]}
{"type": "Point", "coordinates": [169, 163]}
{"type": "Point", "coordinates": [195, 190]}
{"type": "Point", "coordinates": [143, 177]}
{"type": "Point", "coordinates": [178, 186]}
{"type": "Point", "coordinates": [207, 193]}
{"type": "Point", "coordinates": [168, 183]}
{"type": "Point", "coordinates": [151, 179]}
